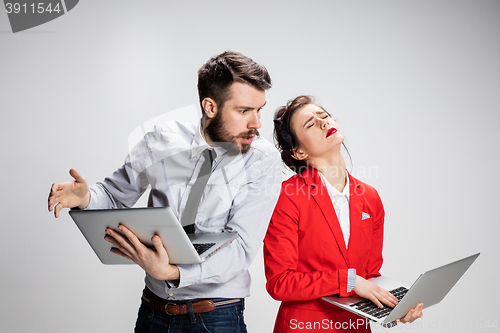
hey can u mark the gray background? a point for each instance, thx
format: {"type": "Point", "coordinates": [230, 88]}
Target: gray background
{"type": "Point", "coordinates": [414, 85]}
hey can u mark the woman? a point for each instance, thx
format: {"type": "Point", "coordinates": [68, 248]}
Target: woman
{"type": "Point", "coordinates": [325, 235]}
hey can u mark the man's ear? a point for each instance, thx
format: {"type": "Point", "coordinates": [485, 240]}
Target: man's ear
{"type": "Point", "coordinates": [209, 107]}
{"type": "Point", "coordinates": [299, 154]}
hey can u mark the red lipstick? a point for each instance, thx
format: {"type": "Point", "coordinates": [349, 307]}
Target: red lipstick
{"type": "Point", "coordinates": [331, 131]}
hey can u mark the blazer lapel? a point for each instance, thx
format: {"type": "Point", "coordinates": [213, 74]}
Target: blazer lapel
{"type": "Point", "coordinates": [320, 195]}
{"type": "Point", "coordinates": [356, 204]}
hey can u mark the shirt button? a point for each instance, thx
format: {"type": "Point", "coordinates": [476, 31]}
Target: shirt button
{"type": "Point", "coordinates": [170, 294]}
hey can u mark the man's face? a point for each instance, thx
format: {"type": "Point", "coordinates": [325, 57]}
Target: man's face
{"type": "Point", "coordinates": [239, 120]}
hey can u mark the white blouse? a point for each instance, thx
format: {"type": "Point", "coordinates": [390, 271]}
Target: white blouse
{"type": "Point", "coordinates": [340, 201]}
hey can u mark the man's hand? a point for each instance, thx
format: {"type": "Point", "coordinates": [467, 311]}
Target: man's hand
{"type": "Point", "coordinates": [412, 315]}
{"type": "Point", "coordinates": [154, 261]}
{"type": "Point", "coordinates": [376, 294]}
{"type": "Point", "coordinates": [69, 194]}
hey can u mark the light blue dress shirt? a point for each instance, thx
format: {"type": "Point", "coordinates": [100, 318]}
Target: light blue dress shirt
{"type": "Point", "coordinates": [240, 196]}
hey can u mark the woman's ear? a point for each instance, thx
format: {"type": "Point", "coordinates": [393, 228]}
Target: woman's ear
{"type": "Point", "coordinates": [209, 107]}
{"type": "Point", "coordinates": [299, 154]}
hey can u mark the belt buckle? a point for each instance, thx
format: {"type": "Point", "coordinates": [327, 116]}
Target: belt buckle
{"type": "Point", "coordinates": [166, 309]}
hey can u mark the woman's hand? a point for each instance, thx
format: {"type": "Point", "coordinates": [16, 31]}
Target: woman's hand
{"type": "Point", "coordinates": [374, 293]}
{"type": "Point", "coordinates": [412, 315]}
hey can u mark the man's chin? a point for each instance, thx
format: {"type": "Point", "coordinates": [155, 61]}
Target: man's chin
{"type": "Point", "coordinates": [234, 147]}
{"type": "Point", "coordinates": [237, 148]}
{"type": "Point", "coordinates": [245, 147]}
{"type": "Point", "coordinates": [231, 147]}
{"type": "Point", "coordinates": [244, 144]}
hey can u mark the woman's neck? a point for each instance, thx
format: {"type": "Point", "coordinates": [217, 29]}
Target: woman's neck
{"type": "Point", "coordinates": [333, 168]}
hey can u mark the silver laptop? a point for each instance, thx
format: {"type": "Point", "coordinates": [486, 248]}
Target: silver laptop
{"type": "Point", "coordinates": [430, 288]}
{"type": "Point", "coordinates": [182, 248]}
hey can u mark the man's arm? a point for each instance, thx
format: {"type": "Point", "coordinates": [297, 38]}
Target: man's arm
{"type": "Point", "coordinates": [121, 189]}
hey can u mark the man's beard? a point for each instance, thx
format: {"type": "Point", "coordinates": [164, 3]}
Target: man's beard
{"type": "Point", "coordinates": [219, 135]}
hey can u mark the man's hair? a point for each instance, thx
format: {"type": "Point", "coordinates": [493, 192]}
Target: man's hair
{"type": "Point", "coordinates": [219, 73]}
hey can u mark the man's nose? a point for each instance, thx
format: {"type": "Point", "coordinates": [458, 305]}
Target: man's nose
{"type": "Point", "coordinates": [254, 121]}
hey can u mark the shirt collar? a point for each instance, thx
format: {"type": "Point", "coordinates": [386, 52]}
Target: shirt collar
{"type": "Point", "coordinates": [332, 190]}
{"type": "Point", "coordinates": [199, 144]}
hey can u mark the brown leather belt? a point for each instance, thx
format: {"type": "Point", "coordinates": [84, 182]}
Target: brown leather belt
{"type": "Point", "coordinates": [181, 309]}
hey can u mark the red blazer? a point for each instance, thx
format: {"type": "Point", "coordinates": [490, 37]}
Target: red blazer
{"type": "Point", "coordinates": [306, 257]}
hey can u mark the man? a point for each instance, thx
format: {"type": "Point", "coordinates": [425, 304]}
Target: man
{"type": "Point", "coordinates": [240, 196]}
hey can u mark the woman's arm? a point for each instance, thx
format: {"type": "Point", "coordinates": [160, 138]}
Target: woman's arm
{"type": "Point", "coordinates": [375, 259]}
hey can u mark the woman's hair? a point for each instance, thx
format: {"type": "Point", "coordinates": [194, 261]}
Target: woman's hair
{"type": "Point", "coordinates": [285, 136]}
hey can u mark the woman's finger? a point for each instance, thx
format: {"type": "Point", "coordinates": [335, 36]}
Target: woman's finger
{"type": "Point", "coordinates": [376, 301]}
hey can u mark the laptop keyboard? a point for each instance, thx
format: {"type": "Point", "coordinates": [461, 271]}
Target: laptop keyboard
{"type": "Point", "coordinates": [202, 247]}
{"type": "Point", "coordinates": [373, 310]}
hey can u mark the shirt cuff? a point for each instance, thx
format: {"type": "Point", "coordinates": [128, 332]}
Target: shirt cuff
{"type": "Point", "coordinates": [189, 275]}
{"type": "Point", "coordinates": [351, 279]}
{"type": "Point", "coordinates": [92, 202]}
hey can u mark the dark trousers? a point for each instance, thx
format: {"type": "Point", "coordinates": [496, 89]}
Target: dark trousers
{"type": "Point", "coordinates": [226, 318]}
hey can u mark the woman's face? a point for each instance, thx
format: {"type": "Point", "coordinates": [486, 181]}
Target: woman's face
{"type": "Point", "coordinates": [318, 134]}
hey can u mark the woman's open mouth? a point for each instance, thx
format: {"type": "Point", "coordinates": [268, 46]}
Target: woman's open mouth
{"type": "Point", "coordinates": [331, 131]}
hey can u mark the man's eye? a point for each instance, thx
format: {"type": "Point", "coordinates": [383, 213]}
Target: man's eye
{"type": "Point", "coordinates": [243, 111]}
